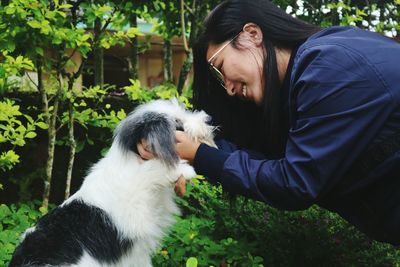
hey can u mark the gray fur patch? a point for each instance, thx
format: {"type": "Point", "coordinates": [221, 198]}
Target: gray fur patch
{"type": "Point", "coordinates": [156, 128]}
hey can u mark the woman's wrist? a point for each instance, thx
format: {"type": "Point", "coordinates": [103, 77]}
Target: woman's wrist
{"type": "Point", "coordinates": [209, 161]}
{"type": "Point", "coordinates": [193, 151]}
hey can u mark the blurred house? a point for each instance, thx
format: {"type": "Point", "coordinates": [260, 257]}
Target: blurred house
{"type": "Point", "coordinates": [151, 61]}
{"type": "Point", "coordinates": [116, 63]}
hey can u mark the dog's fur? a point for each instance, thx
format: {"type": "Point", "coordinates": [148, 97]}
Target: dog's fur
{"type": "Point", "coordinates": [125, 204]}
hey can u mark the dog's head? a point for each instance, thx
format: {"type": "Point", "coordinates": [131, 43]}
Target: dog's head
{"type": "Point", "coordinates": [156, 123]}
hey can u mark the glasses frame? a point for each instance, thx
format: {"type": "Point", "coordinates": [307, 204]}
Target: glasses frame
{"type": "Point", "coordinates": [214, 70]}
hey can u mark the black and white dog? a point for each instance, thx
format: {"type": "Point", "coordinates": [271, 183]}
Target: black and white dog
{"type": "Point", "coordinates": [125, 204]}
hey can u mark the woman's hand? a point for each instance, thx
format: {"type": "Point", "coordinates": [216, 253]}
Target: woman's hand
{"type": "Point", "coordinates": [186, 147]}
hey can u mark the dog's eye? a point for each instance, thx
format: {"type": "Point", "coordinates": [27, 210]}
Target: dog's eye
{"type": "Point", "coordinates": [179, 125]}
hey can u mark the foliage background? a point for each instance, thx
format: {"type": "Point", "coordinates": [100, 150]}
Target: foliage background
{"type": "Point", "coordinates": [214, 229]}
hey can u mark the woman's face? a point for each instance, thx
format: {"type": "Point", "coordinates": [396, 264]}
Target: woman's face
{"type": "Point", "coordinates": [241, 66]}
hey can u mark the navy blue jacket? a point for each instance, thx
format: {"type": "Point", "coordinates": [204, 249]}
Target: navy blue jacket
{"type": "Point", "coordinates": [343, 97]}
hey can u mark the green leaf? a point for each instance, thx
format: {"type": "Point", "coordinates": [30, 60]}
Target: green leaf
{"type": "Point", "coordinates": [10, 46]}
{"type": "Point", "coordinates": [79, 146]}
{"type": "Point", "coordinates": [31, 135]}
{"type": "Point", "coordinates": [62, 14]}
{"type": "Point", "coordinates": [39, 51]}
{"type": "Point", "coordinates": [132, 32]}
{"type": "Point", "coordinates": [21, 129]}
{"type": "Point", "coordinates": [66, 6]}
{"type": "Point", "coordinates": [8, 160]}
{"type": "Point", "coordinates": [121, 114]}
{"type": "Point", "coordinates": [104, 151]}
{"type": "Point", "coordinates": [29, 118]}
{"type": "Point", "coordinates": [35, 24]}
{"type": "Point", "coordinates": [10, 10]}
{"type": "Point", "coordinates": [42, 125]}
{"type": "Point", "coordinates": [191, 262]}
{"type": "Point", "coordinates": [43, 210]}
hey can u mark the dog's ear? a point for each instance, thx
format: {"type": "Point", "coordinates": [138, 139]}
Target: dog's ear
{"type": "Point", "coordinates": [157, 129]}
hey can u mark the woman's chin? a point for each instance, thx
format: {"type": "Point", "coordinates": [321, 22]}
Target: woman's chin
{"type": "Point", "coordinates": [257, 101]}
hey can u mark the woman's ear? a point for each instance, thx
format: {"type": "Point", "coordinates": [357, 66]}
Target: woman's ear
{"type": "Point", "coordinates": [254, 33]}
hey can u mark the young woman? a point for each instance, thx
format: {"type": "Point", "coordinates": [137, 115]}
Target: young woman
{"type": "Point", "coordinates": [314, 114]}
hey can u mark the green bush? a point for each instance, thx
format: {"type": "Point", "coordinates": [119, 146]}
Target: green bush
{"type": "Point", "coordinates": [137, 93]}
{"type": "Point", "coordinates": [194, 237]}
{"type": "Point", "coordinates": [14, 220]}
{"type": "Point", "coordinates": [216, 229]}
{"type": "Point", "coordinates": [15, 129]}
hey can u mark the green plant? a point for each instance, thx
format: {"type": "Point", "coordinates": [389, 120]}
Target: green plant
{"type": "Point", "coordinates": [15, 129]}
{"type": "Point", "coordinates": [136, 92]}
{"type": "Point", "coordinates": [10, 67]}
{"type": "Point", "coordinates": [90, 110]}
{"type": "Point", "coordinates": [195, 239]}
{"type": "Point", "coordinates": [14, 220]}
{"type": "Point", "coordinates": [217, 229]}
{"type": "Point", "coordinates": [214, 230]}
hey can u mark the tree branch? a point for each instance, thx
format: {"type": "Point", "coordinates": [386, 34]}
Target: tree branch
{"type": "Point", "coordinates": [29, 77]}
{"type": "Point", "coordinates": [189, 8]}
{"type": "Point", "coordinates": [185, 44]}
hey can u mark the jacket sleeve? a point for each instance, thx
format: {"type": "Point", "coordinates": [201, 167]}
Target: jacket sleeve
{"type": "Point", "coordinates": [229, 147]}
{"type": "Point", "coordinates": [337, 107]}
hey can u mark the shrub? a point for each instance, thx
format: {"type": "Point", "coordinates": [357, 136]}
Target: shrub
{"type": "Point", "coordinates": [14, 220]}
{"type": "Point", "coordinates": [217, 229]}
{"type": "Point", "coordinates": [194, 237]}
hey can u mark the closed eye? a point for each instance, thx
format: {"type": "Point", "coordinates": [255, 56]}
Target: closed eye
{"type": "Point", "coordinates": [221, 68]}
{"type": "Point", "coordinates": [179, 125]}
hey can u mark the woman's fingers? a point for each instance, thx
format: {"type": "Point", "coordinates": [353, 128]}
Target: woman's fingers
{"type": "Point", "coordinates": [144, 152]}
{"type": "Point", "coordinates": [180, 186]}
{"type": "Point", "coordinates": [185, 147]}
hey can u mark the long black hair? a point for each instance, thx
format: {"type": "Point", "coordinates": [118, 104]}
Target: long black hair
{"type": "Point", "coordinates": [262, 128]}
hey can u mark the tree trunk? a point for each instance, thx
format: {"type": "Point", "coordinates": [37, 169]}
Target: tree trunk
{"type": "Point", "coordinates": [134, 55]}
{"type": "Point", "coordinates": [45, 102]}
{"type": "Point", "coordinates": [72, 148]}
{"type": "Point", "coordinates": [168, 77]}
{"type": "Point", "coordinates": [187, 65]}
{"type": "Point", "coordinates": [71, 127]}
{"type": "Point", "coordinates": [48, 118]}
{"type": "Point", "coordinates": [195, 17]}
{"type": "Point", "coordinates": [52, 132]}
{"type": "Point", "coordinates": [98, 53]}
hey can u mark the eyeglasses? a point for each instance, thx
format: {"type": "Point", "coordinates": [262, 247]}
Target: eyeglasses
{"type": "Point", "coordinates": [214, 70]}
